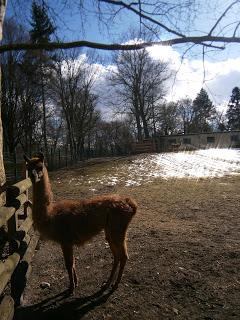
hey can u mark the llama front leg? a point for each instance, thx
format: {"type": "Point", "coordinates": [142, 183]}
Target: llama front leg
{"type": "Point", "coordinates": [70, 265]}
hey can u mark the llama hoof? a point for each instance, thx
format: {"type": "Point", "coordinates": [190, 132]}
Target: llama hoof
{"type": "Point", "coordinates": [71, 290]}
{"type": "Point", "coordinates": [114, 287]}
{"type": "Point", "coordinates": [104, 286]}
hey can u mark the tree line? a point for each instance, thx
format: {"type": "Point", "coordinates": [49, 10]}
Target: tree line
{"type": "Point", "coordinates": [49, 101]}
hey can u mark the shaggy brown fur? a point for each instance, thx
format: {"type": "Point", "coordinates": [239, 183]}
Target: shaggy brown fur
{"type": "Point", "coordinates": [73, 222]}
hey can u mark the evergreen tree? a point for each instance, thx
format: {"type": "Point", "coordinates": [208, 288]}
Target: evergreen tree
{"type": "Point", "coordinates": [42, 27]}
{"type": "Point", "coordinates": [203, 112]}
{"type": "Point", "coordinates": [233, 112]}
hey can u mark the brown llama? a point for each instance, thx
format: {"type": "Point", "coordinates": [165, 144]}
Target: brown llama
{"type": "Point", "coordinates": [73, 222]}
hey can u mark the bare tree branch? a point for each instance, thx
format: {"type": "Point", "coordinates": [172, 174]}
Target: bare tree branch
{"type": "Point", "coordinates": [181, 62]}
{"type": "Point", "coordinates": [235, 31]}
{"type": "Point", "coordinates": [222, 15]}
{"type": "Point", "coordinates": [201, 40]}
{"type": "Point", "coordinates": [142, 15]}
{"type": "Point", "coordinates": [203, 62]}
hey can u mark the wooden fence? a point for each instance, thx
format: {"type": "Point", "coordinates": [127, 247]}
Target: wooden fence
{"type": "Point", "coordinates": [17, 246]}
{"type": "Point", "coordinates": [145, 146]}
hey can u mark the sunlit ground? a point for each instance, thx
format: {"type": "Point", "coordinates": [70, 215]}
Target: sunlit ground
{"type": "Point", "coordinates": [195, 164]}
{"type": "Point", "coordinates": [145, 168]}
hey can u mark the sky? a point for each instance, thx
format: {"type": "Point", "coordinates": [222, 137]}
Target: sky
{"type": "Point", "coordinates": [219, 78]}
{"type": "Point", "coordinates": [219, 73]}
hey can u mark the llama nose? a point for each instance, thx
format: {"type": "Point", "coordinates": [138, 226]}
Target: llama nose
{"type": "Point", "coordinates": [35, 175]}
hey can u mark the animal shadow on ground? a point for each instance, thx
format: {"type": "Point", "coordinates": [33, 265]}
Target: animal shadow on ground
{"type": "Point", "coordinates": [62, 306]}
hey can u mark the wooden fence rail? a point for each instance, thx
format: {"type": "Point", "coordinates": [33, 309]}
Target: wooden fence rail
{"type": "Point", "coordinates": [16, 222]}
{"type": "Point", "coordinates": [145, 146]}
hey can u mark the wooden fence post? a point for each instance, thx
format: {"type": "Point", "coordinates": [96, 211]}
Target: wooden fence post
{"type": "Point", "coordinates": [7, 308]}
{"type": "Point", "coordinates": [12, 225]}
{"type": "Point", "coordinates": [16, 268]}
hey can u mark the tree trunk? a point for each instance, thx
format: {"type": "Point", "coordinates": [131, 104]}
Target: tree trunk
{"type": "Point", "coordinates": [139, 127]}
{"type": "Point", "coordinates": [145, 127]}
{"type": "Point", "coordinates": [143, 118]}
{"type": "Point", "coordinates": [44, 117]}
{"type": "Point", "coordinates": [138, 121]}
{"type": "Point", "coordinates": [3, 4]}
{"type": "Point", "coordinates": [15, 163]}
{"type": "Point", "coordinates": [154, 121]}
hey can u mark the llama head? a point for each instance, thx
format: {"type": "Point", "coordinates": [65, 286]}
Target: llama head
{"type": "Point", "coordinates": [35, 167]}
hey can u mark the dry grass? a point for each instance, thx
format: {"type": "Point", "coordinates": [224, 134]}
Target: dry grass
{"type": "Point", "coordinates": [184, 254]}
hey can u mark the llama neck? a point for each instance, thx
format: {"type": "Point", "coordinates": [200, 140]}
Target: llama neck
{"type": "Point", "coordinates": [42, 198]}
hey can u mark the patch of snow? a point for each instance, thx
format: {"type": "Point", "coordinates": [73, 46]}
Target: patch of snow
{"type": "Point", "coordinates": [191, 165]}
{"type": "Point", "coordinates": [207, 163]}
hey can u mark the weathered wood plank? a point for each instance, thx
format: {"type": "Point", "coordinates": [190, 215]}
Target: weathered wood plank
{"type": "Point", "coordinates": [20, 213]}
{"type": "Point", "coordinates": [23, 270]}
{"type": "Point", "coordinates": [19, 187]}
{"type": "Point", "coordinates": [26, 225]}
{"type": "Point", "coordinates": [31, 249]}
{"type": "Point", "coordinates": [17, 197]}
{"type": "Point", "coordinates": [16, 202]}
{"type": "Point", "coordinates": [7, 267]}
{"type": "Point", "coordinates": [21, 234]}
{"type": "Point", "coordinates": [12, 229]}
{"type": "Point", "coordinates": [7, 308]}
{"type": "Point", "coordinates": [5, 214]}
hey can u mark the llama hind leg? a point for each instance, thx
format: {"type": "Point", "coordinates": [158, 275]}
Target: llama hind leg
{"type": "Point", "coordinates": [116, 236]}
{"type": "Point", "coordinates": [70, 266]}
{"type": "Point", "coordinates": [114, 266]}
{"type": "Point", "coordinates": [123, 256]}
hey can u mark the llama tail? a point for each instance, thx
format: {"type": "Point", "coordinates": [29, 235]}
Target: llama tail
{"type": "Point", "coordinates": [132, 204]}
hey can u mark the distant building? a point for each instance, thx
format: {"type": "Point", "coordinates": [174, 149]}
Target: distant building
{"type": "Point", "coordinates": [229, 139]}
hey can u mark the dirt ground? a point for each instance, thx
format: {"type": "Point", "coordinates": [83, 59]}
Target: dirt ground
{"type": "Point", "coordinates": [184, 248]}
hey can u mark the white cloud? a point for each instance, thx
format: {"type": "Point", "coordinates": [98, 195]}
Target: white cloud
{"type": "Point", "coordinates": [166, 54]}
{"type": "Point", "coordinates": [218, 78]}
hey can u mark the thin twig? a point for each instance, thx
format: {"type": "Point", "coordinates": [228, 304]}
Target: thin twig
{"type": "Point", "coordinates": [144, 16]}
{"type": "Point", "coordinates": [235, 31]}
{"type": "Point", "coordinates": [203, 61]}
{"type": "Point", "coordinates": [222, 15]}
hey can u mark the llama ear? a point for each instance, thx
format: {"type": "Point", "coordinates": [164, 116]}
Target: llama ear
{"type": "Point", "coordinates": [40, 156]}
{"type": "Point", "coordinates": [26, 158]}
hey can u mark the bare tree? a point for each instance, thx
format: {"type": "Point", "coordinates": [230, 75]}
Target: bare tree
{"type": "Point", "coordinates": [221, 121]}
{"type": "Point", "coordinates": [19, 94]}
{"type": "Point", "coordinates": [113, 138]}
{"type": "Point", "coordinates": [73, 93]}
{"type": "Point", "coordinates": [185, 113]}
{"type": "Point", "coordinates": [166, 118]}
{"type": "Point", "coordinates": [139, 82]}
